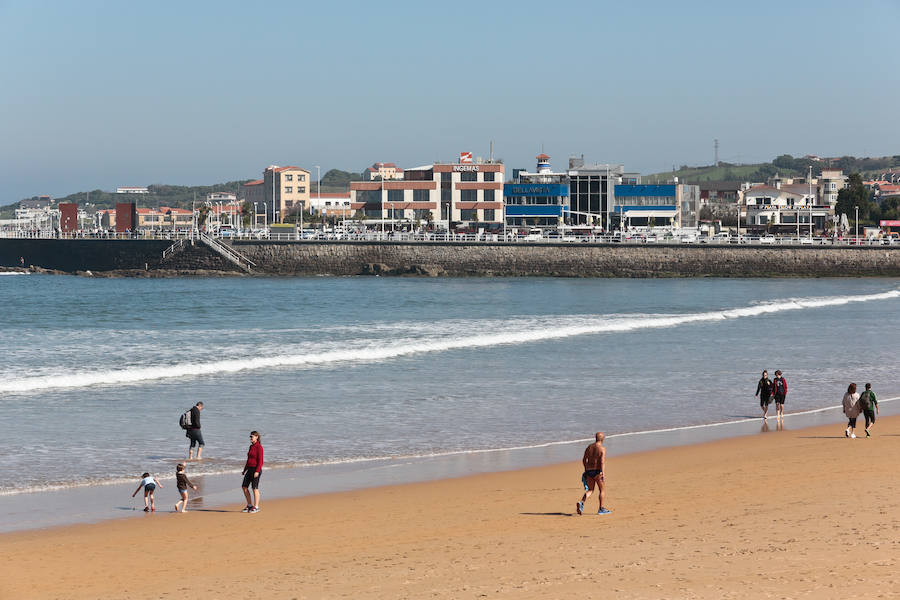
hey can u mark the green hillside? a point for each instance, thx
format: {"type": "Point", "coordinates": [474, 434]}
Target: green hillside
{"type": "Point", "coordinates": [785, 165]}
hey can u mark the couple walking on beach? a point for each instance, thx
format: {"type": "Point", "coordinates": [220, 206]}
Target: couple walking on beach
{"type": "Point", "coordinates": [594, 462]}
{"type": "Point", "coordinates": [767, 389]}
{"type": "Point", "coordinates": [865, 403]}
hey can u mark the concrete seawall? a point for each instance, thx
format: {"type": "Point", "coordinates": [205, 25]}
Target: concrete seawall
{"type": "Point", "coordinates": [452, 259]}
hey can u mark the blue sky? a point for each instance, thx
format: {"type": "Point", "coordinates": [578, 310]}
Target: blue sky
{"type": "Point", "coordinates": [100, 94]}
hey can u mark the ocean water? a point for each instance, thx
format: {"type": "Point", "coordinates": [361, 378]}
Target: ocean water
{"type": "Point", "coordinates": [94, 373]}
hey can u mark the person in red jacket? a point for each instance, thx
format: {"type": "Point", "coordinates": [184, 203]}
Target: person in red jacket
{"type": "Point", "coordinates": [251, 472]}
{"type": "Point", "coordinates": [779, 390]}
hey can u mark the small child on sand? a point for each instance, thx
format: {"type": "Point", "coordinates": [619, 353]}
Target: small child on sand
{"type": "Point", "coordinates": [182, 483]}
{"type": "Point", "coordinates": [149, 483]}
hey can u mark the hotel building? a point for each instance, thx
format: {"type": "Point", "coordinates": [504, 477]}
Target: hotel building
{"type": "Point", "coordinates": [539, 199]}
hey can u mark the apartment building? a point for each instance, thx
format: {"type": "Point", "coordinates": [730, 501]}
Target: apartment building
{"type": "Point", "coordinates": [382, 170]}
{"type": "Point", "coordinates": [782, 207]}
{"type": "Point", "coordinates": [449, 194]}
{"type": "Point", "coordinates": [285, 191]}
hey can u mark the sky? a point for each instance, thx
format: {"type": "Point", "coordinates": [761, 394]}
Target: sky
{"type": "Point", "coordinates": [95, 95]}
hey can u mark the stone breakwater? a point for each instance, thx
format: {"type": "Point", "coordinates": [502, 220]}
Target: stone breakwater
{"type": "Point", "coordinates": [129, 257]}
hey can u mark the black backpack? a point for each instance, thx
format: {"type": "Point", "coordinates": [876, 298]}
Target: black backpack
{"type": "Point", "coordinates": [185, 420]}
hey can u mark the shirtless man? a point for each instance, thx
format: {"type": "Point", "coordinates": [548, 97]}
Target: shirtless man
{"type": "Point", "coordinates": [594, 462]}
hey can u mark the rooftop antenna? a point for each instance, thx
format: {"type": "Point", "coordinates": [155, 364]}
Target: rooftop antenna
{"type": "Point", "coordinates": [492, 151]}
{"type": "Point", "coordinates": [716, 145]}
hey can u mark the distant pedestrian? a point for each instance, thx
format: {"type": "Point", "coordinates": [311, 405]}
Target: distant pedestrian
{"type": "Point", "coordinates": [594, 462]}
{"type": "Point", "coordinates": [22, 262]}
{"type": "Point", "coordinates": [764, 391]}
{"type": "Point", "coordinates": [182, 483]}
{"type": "Point", "coordinates": [851, 409]}
{"type": "Point", "coordinates": [193, 432]}
{"type": "Point", "coordinates": [779, 391]}
{"type": "Point", "coordinates": [149, 483]}
{"type": "Point", "coordinates": [252, 471]}
{"type": "Point", "coordinates": [869, 405]}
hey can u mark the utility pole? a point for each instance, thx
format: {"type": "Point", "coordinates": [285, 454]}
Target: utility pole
{"type": "Point", "coordinates": [716, 146]}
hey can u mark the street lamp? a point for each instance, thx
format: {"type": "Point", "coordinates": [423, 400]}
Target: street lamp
{"type": "Point", "coordinates": [319, 191]}
{"type": "Point", "coordinates": [382, 203]}
{"type": "Point", "coordinates": [811, 202]}
{"type": "Point", "coordinates": [255, 220]}
{"type": "Point", "coordinates": [856, 235]}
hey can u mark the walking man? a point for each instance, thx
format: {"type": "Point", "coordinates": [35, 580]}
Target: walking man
{"type": "Point", "coordinates": [869, 405]}
{"type": "Point", "coordinates": [594, 461]}
{"type": "Point", "coordinates": [764, 391]}
{"type": "Point", "coordinates": [779, 388]}
{"type": "Point", "coordinates": [193, 432]}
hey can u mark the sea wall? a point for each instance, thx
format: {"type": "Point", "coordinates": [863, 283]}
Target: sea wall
{"type": "Point", "coordinates": [453, 259]}
{"type": "Point", "coordinates": [568, 260]}
{"type": "Point", "coordinates": [108, 255]}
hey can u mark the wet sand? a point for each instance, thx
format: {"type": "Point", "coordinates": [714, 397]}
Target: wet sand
{"type": "Point", "coordinates": [790, 514]}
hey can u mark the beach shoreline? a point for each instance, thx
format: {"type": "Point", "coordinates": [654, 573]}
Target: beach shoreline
{"type": "Point", "coordinates": [98, 503]}
{"type": "Point", "coordinates": [741, 517]}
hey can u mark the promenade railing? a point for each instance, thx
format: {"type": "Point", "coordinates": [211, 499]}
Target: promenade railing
{"type": "Point", "coordinates": [627, 238]}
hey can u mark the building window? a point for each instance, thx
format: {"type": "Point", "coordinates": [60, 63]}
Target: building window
{"type": "Point", "coordinates": [301, 177]}
{"type": "Point", "coordinates": [288, 177]}
{"type": "Point", "coordinates": [468, 195]}
{"type": "Point", "coordinates": [489, 176]}
{"type": "Point", "coordinates": [489, 214]}
{"type": "Point", "coordinates": [422, 214]}
{"type": "Point", "coordinates": [445, 177]}
{"type": "Point", "coordinates": [488, 195]}
{"type": "Point", "coordinates": [301, 190]}
{"type": "Point", "coordinates": [420, 196]}
{"type": "Point", "coordinates": [468, 176]}
{"type": "Point", "coordinates": [468, 214]}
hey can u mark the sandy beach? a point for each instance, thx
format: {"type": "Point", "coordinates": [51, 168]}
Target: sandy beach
{"type": "Point", "coordinates": [789, 514]}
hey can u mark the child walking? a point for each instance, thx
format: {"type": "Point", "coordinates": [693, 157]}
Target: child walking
{"type": "Point", "coordinates": [182, 483]}
{"type": "Point", "coordinates": [149, 483]}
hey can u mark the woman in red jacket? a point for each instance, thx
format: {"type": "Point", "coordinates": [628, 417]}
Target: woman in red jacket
{"type": "Point", "coordinates": [251, 472]}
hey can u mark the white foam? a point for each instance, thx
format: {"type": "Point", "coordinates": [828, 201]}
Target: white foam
{"type": "Point", "coordinates": [377, 350]}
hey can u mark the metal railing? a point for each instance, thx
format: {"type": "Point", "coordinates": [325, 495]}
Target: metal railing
{"type": "Point", "coordinates": [631, 238]}
{"type": "Point", "coordinates": [176, 247]}
{"type": "Point", "coordinates": [227, 253]}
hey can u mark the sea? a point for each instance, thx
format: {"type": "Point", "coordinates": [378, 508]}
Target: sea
{"type": "Point", "coordinates": [340, 372]}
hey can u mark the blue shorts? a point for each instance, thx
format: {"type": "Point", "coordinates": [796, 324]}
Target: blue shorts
{"type": "Point", "coordinates": [149, 488]}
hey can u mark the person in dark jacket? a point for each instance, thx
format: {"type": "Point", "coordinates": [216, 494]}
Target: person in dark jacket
{"type": "Point", "coordinates": [193, 433]}
{"type": "Point", "coordinates": [252, 471]}
{"type": "Point", "coordinates": [779, 391]}
{"type": "Point", "coordinates": [764, 391]}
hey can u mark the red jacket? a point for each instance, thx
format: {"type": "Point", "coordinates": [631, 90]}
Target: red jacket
{"type": "Point", "coordinates": [783, 389]}
{"type": "Point", "coordinates": [254, 458]}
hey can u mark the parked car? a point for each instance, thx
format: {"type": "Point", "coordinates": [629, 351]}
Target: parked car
{"type": "Point", "coordinates": [767, 239]}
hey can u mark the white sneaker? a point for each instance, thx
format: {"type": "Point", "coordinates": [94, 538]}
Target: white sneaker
{"type": "Point", "coordinates": [853, 436]}
{"type": "Point", "coordinates": [847, 432]}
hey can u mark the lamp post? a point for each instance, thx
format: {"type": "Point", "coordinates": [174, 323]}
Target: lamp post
{"type": "Point", "coordinates": [382, 203]}
{"type": "Point", "coordinates": [856, 234]}
{"type": "Point", "coordinates": [319, 188]}
{"type": "Point", "coordinates": [811, 202]}
{"type": "Point", "coordinates": [266, 218]}
{"type": "Point", "coordinates": [255, 223]}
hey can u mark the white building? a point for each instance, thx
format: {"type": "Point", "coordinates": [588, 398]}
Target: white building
{"type": "Point", "coordinates": [132, 190]}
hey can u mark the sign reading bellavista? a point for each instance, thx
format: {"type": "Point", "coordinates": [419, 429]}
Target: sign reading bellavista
{"type": "Point", "coordinates": [890, 223]}
{"type": "Point", "coordinates": [460, 168]}
{"type": "Point", "coordinates": [542, 190]}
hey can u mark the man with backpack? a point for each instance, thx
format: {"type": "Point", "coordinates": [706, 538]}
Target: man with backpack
{"type": "Point", "coordinates": [190, 422]}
